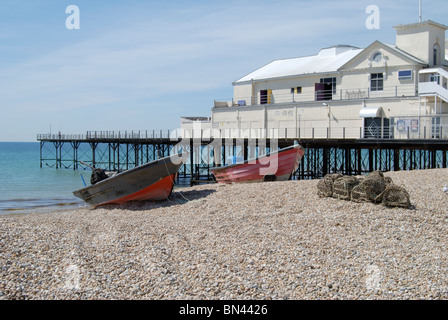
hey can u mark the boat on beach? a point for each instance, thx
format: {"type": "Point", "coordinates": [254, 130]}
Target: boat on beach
{"type": "Point", "coordinates": [151, 181]}
{"type": "Point", "coordinates": [276, 166]}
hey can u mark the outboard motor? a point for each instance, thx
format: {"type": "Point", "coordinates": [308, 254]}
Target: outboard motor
{"type": "Point", "coordinates": [98, 175]}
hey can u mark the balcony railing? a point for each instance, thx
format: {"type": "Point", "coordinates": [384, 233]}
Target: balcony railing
{"type": "Point", "coordinates": [433, 88]}
{"type": "Point", "coordinates": [433, 81]}
{"type": "Point", "coordinates": [112, 135]}
{"type": "Point", "coordinates": [408, 90]}
{"type": "Point", "coordinates": [387, 132]}
{"type": "Point", "coordinates": [405, 130]}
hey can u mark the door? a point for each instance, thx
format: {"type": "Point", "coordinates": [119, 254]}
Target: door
{"type": "Point", "coordinates": [372, 128]}
{"type": "Point", "coordinates": [435, 132]}
{"type": "Point", "coordinates": [323, 91]}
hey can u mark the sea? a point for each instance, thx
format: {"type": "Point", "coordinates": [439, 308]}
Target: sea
{"type": "Point", "coordinates": [25, 187]}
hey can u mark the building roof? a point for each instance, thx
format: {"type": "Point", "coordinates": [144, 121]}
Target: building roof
{"type": "Point", "coordinates": [417, 24]}
{"type": "Point", "coordinates": [329, 60]}
{"type": "Point", "coordinates": [195, 118]}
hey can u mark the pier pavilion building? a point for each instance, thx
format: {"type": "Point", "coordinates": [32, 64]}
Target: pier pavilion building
{"type": "Point", "coordinates": [388, 91]}
{"type": "Point", "coordinates": [383, 107]}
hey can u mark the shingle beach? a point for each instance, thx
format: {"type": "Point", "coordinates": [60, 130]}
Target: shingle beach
{"type": "Point", "coordinates": [272, 240]}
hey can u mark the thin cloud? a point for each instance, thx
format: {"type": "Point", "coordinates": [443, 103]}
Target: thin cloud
{"type": "Point", "coordinates": [154, 52]}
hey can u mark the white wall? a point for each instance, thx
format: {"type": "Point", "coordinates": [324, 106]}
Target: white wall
{"type": "Point", "coordinates": [295, 114]}
{"type": "Point", "coordinates": [419, 40]}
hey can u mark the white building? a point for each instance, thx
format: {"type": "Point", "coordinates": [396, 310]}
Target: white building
{"type": "Point", "coordinates": [382, 91]}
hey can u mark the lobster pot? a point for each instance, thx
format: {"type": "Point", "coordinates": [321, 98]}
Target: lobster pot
{"type": "Point", "coordinates": [343, 187]}
{"type": "Point", "coordinates": [370, 188]}
{"type": "Point", "coordinates": [395, 196]}
{"type": "Point", "coordinates": [325, 185]}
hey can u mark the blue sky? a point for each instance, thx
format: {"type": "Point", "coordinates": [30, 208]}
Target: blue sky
{"type": "Point", "coordinates": [143, 64]}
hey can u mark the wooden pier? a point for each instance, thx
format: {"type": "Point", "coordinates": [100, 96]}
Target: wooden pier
{"type": "Point", "coordinates": [117, 151]}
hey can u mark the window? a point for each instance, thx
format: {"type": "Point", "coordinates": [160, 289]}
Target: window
{"type": "Point", "coordinates": [434, 77]}
{"type": "Point", "coordinates": [297, 90]}
{"type": "Point", "coordinates": [265, 96]}
{"type": "Point", "coordinates": [377, 57]}
{"type": "Point", "coordinates": [376, 82]}
{"type": "Point", "coordinates": [331, 82]}
{"type": "Point", "coordinates": [436, 54]}
{"type": "Point", "coordinates": [405, 75]}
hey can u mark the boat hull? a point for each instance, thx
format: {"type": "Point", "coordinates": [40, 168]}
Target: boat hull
{"type": "Point", "coordinates": [277, 166]}
{"type": "Point", "coordinates": [151, 181]}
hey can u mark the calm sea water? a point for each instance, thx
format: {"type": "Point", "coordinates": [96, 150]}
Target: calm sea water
{"type": "Point", "coordinates": [25, 187]}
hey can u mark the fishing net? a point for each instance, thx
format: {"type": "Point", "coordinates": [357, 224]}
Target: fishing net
{"type": "Point", "coordinates": [325, 185]}
{"type": "Point", "coordinates": [343, 187]}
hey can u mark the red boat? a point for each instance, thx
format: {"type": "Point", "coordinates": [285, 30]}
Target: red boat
{"type": "Point", "coordinates": [151, 181]}
{"type": "Point", "coordinates": [277, 166]}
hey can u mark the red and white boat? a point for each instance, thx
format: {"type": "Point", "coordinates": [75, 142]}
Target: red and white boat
{"type": "Point", "coordinates": [151, 181]}
{"type": "Point", "coordinates": [276, 166]}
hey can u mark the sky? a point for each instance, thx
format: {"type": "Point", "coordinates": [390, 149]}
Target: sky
{"type": "Point", "coordinates": [144, 64]}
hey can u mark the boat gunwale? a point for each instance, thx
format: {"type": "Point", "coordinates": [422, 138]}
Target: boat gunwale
{"type": "Point", "coordinates": [134, 170]}
{"type": "Point", "coordinates": [296, 146]}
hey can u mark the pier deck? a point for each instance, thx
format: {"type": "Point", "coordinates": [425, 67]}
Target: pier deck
{"type": "Point", "coordinates": [116, 151]}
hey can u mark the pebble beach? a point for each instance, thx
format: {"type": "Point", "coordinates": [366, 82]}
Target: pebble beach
{"type": "Point", "coordinates": [272, 240]}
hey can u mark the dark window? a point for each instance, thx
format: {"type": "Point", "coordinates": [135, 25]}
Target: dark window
{"type": "Point", "coordinates": [263, 96]}
{"type": "Point", "coordinates": [323, 91]}
{"type": "Point", "coordinates": [376, 82]}
{"type": "Point", "coordinates": [436, 54]}
{"type": "Point", "coordinates": [296, 90]}
{"type": "Point", "coordinates": [331, 82]}
{"type": "Point", "coordinates": [434, 77]}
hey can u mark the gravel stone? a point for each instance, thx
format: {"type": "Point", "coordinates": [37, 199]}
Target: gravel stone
{"type": "Point", "coordinates": [272, 240]}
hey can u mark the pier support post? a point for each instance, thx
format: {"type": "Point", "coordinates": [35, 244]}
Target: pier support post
{"type": "Point", "coordinates": [75, 146]}
{"type": "Point", "coordinates": [444, 160]}
{"type": "Point", "coordinates": [58, 154]}
{"type": "Point", "coordinates": [191, 161]}
{"type": "Point", "coordinates": [371, 160]}
{"type": "Point", "coordinates": [93, 145]}
{"type": "Point", "coordinates": [347, 162]}
{"type": "Point", "coordinates": [41, 145]}
{"type": "Point", "coordinates": [359, 161]}
{"type": "Point", "coordinates": [396, 160]}
{"type": "Point", "coordinates": [324, 161]}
